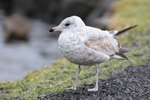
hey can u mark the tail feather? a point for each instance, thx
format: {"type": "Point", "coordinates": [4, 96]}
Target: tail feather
{"type": "Point", "coordinates": [124, 56]}
{"type": "Point", "coordinates": [123, 50]}
{"type": "Point", "coordinates": [125, 30]}
{"type": "Point", "coordinates": [120, 56]}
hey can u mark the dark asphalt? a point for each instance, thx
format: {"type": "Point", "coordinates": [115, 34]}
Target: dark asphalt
{"type": "Point", "coordinates": [132, 84]}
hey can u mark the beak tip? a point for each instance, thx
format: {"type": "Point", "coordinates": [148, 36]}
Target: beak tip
{"type": "Point", "coordinates": [51, 30]}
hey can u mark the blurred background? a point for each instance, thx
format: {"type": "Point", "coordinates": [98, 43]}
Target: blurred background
{"type": "Point", "coordinates": [25, 43]}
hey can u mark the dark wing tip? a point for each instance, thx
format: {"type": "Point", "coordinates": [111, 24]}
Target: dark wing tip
{"type": "Point", "coordinates": [125, 30]}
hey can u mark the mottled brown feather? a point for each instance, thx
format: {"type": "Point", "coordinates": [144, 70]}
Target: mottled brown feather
{"type": "Point", "coordinates": [103, 45]}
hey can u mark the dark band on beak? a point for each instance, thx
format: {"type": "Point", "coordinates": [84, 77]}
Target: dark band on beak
{"type": "Point", "coordinates": [51, 30]}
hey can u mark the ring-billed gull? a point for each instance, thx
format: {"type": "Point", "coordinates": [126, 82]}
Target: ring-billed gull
{"type": "Point", "coordinates": [85, 45]}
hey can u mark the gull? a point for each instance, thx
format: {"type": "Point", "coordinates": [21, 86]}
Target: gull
{"type": "Point", "coordinates": [85, 45]}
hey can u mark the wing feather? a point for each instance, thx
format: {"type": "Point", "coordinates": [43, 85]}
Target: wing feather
{"type": "Point", "coordinates": [106, 45]}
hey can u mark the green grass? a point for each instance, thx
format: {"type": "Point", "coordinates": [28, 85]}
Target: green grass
{"type": "Point", "coordinates": [128, 13]}
{"type": "Point", "coordinates": [54, 79]}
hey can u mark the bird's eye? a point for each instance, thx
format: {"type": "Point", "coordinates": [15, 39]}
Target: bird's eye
{"type": "Point", "coordinates": [67, 24]}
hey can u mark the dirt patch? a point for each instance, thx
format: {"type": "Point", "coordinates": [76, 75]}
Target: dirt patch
{"type": "Point", "coordinates": [132, 84]}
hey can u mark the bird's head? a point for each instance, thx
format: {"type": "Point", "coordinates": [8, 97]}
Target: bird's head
{"type": "Point", "coordinates": [69, 23]}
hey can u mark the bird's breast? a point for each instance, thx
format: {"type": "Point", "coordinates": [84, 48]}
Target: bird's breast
{"type": "Point", "coordinates": [72, 47]}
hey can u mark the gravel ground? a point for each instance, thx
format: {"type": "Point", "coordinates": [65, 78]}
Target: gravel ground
{"type": "Point", "coordinates": [132, 84]}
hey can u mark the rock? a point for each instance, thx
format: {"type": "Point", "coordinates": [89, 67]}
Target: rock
{"type": "Point", "coordinates": [54, 11]}
{"type": "Point", "coordinates": [15, 27]}
{"type": "Point", "coordinates": [6, 5]}
{"type": "Point", "coordinates": [100, 15]}
{"type": "Point", "coordinates": [94, 12]}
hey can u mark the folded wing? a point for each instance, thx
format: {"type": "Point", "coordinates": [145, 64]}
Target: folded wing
{"type": "Point", "coordinates": [107, 45]}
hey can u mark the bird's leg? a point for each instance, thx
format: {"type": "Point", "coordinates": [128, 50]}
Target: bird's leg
{"type": "Point", "coordinates": [96, 85]}
{"type": "Point", "coordinates": [76, 80]}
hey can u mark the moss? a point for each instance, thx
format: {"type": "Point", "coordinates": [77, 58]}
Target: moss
{"type": "Point", "coordinates": [56, 78]}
